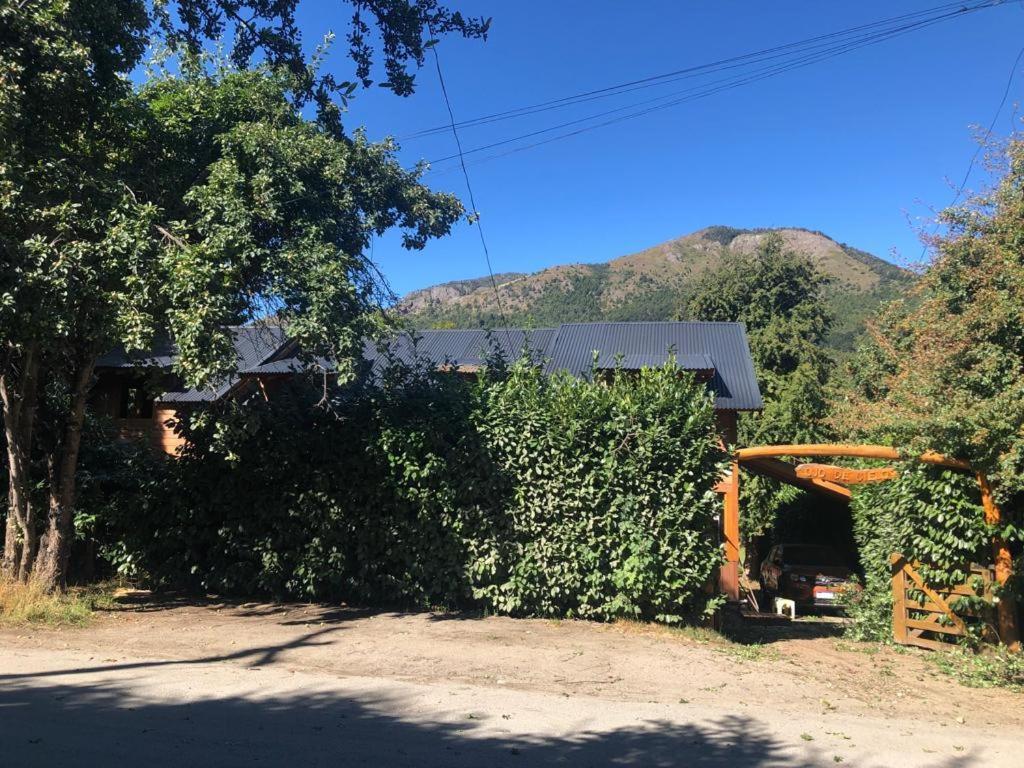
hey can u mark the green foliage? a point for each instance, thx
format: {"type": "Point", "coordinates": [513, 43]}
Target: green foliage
{"type": "Point", "coordinates": [518, 494]}
{"type": "Point", "coordinates": [201, 200]}
{"type": "Point", "coordinates": [944, 369]}
{"type": "Point", "coordinates": [992, 668]}
{"type": "Point", "coordinates": [930, 515]}
{"type": "Point", "coordinates": [779, 297]}
{"type": "Point", "coordinates": [281, 219]}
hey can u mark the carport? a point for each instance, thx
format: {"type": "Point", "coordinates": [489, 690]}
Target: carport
{"type": "Point", "coordinates": [835, 481]}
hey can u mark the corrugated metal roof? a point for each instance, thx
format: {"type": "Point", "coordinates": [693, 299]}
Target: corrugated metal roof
{"type": "Point", "coordinates": [160, 356]}
{"type": "Point", "coordinates": [253, 345]}
{"type": "Point", "coordinates": [734, 381]}
{"type": "Point", "coordinates": [462, 347]}
{"type": "Point", "coordinates": [696, 346]}
{"type": "Point", "coordinates": [636, 361]}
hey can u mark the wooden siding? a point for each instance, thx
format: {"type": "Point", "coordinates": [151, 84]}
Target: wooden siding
{"type": "Point", "coordinates": [158, 430]}
{"type": "Point", "coordinates": [164, 436]}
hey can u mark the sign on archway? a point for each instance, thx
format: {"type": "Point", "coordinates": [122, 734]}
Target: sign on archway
{"type": "Point", "coordinates": [845, 475]}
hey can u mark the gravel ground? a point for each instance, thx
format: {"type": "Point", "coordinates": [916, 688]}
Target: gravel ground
{"type": "Point", "coordinates": [195, 684]}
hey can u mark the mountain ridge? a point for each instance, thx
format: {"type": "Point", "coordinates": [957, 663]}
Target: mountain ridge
{"type": "Point", "coordinates": [653, 284]}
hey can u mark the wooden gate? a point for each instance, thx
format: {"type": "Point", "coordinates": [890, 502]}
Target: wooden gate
{"type": "Point", "coordinates": [924, 616]}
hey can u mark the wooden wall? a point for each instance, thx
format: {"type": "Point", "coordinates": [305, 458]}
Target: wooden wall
{"type": "Point", "coordinates": [162, 429]}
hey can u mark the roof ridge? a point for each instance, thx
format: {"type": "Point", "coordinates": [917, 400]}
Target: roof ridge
{"type": "Point", "coordinates": [654, 322]}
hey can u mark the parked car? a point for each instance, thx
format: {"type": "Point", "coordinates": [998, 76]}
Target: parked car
{"type": "Point", "coordinates": [808, 574]}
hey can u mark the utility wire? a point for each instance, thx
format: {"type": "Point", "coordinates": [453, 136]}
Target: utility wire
{"type": "Point", "coordinates": [988, 132]}
{"type": "Point", "coordinates": [981, 144]}
{"type": "Point", "coordinates": [805, 59]}
{"type": "Point", "coordinates": [472, 199]}
{"type": "Point", "coordinates": [708, 89]}
{"type": "Point", "coordinates": [936, 13]}
{"type": "Point", "coordinates": [991, 126]}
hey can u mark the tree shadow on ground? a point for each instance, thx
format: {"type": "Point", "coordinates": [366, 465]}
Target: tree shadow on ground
{"type": "Point", "coordinates": [143, 601]}
{"type": "Point", "coordinates": [206, 712]}
{"type": "Point", "coordinates": [753, 631]}
{"type": "Point", "coordinates": [739, 629]}
{"type": "Point", "coordinates": [106, 724]}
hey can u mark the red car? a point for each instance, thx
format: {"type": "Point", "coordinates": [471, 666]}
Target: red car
{"type": "Point", "coordinates": [808, 574]}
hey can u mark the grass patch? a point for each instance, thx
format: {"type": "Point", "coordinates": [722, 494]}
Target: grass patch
{"type": "Point", "coordinates": [715, 640]}
{"type": "Point", "coordinates": [698, 634]}
{"type": "Point", "coordinates": [866, 647]}
{"type": "Point", "coordinates": [997, 667]}
{"type": "Point", "coordinates": [30, 603]}
{"type": "Point", "coordinates": [750, 652]}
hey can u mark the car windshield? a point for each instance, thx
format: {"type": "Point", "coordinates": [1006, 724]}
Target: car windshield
{"type": "Point", "coordinates": [811, 555]}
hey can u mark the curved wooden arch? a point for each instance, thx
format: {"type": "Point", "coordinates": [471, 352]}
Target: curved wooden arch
{"type": "Point", "coordinates": [850, 450]}
{"type": "Point", "coordinates": [758, 456]}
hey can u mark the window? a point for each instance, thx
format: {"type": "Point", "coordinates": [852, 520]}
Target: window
{"type": "Point", "coordinates": [136, 403]}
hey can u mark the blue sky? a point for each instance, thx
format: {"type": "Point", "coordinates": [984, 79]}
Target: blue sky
{"type": "Point", "coordinates": [861, 146]}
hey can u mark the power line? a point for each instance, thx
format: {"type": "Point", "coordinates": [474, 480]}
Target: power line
{"type": "Point", "coordinates": [991, 125]}
{"type": "Point", "coordinates": [681, 97]}
{"type": "Point", "coordinates": [472, 199]}
{"type": "Point", "coordinates": [937, 13]}
{"type": "Point", "coordinates": [803, 59]}
{"type": "Point", "coordinates": [982, 143]}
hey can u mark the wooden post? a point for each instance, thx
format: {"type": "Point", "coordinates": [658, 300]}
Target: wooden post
{"type": "Point", "coordinates": [899, 599]}
{"type": "Point", "coordinates": [1009, 632]}
{"type": "Point", "coordinates": [729, 576]}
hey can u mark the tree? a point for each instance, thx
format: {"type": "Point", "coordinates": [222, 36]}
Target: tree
{"type": "Point", "coordinates": [778, 296]}
{"type": "Point", "coordinates": [943, 368]}
{"type": "Point", "coordinates": [195, 202]}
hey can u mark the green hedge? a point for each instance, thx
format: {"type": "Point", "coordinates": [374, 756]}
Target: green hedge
{"type": "Point", "coordinates": [930, 515]}
{"type": "Point", "coordinates": [519, 494]}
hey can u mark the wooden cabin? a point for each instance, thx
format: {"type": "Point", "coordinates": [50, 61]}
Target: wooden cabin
{"type": "Point", "coordinates": [144, 399]}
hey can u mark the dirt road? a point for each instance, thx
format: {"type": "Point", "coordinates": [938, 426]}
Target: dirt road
{"type": "Point", "coordinates": [232, 685]}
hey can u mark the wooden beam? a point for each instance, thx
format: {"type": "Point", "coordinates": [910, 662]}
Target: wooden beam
{"type": "Point", "coordinates": [819, 449]}
{"type": "Point", "coordinates": [844, 449]}
{"type": "Point", "coordinates": [899, 599]}
{"type": "Point", "coordinates": [786, 472]}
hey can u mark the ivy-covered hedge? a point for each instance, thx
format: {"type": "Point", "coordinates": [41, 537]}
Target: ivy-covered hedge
{"type": "Point", "coordinates": [930, 515]}
{"type": "Point", "coordinates": [518, 493]}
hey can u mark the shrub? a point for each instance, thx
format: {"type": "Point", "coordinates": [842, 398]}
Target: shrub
{"type": "Point", "coordinates": [611, 504]}
{"type": "Point", "coordinates": [930, 515]}
{"type": "Point", "coordinates": [518, 493]}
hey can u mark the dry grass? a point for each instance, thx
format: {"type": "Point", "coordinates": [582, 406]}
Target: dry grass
{"type": "Point", "coordinates": [696, 634]}
{"type": "Point", "coordinates": [30, 603]}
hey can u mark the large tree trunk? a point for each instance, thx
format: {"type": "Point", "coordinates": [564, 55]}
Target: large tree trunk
{"type": "Point", "coordinates": [18, 395]}
{"type": "Point", "coordinates": [51, 566]}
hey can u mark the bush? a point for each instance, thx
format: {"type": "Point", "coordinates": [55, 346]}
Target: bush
{"type": "Point", "coordinates": [930, 515]}
{"type": "Point", "coordinates": [518, 493]}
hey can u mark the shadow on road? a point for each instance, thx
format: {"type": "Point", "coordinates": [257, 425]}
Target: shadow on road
{"type": "Point", "coordinates": [97, 715]}
{"type": "Point", "coordinates": [259, 656]}
{"type": "Point", "coordinates": [55, 725]}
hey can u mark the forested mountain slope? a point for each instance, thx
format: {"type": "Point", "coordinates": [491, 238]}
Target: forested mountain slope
{"type": "Point", "coordinates": [653, 284]}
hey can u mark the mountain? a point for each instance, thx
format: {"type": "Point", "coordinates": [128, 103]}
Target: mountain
{"type": "Point", "coordinates": [654, 284]}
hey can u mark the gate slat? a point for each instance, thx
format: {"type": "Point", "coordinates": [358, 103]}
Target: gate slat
{"type": "Point", "coordinates": [915, 616]}
{"type": "Point", "coordinates": [933, 626]}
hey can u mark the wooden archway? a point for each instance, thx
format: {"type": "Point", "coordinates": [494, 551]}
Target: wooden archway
{"type": "Point", "coordinates": [766, 460]}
